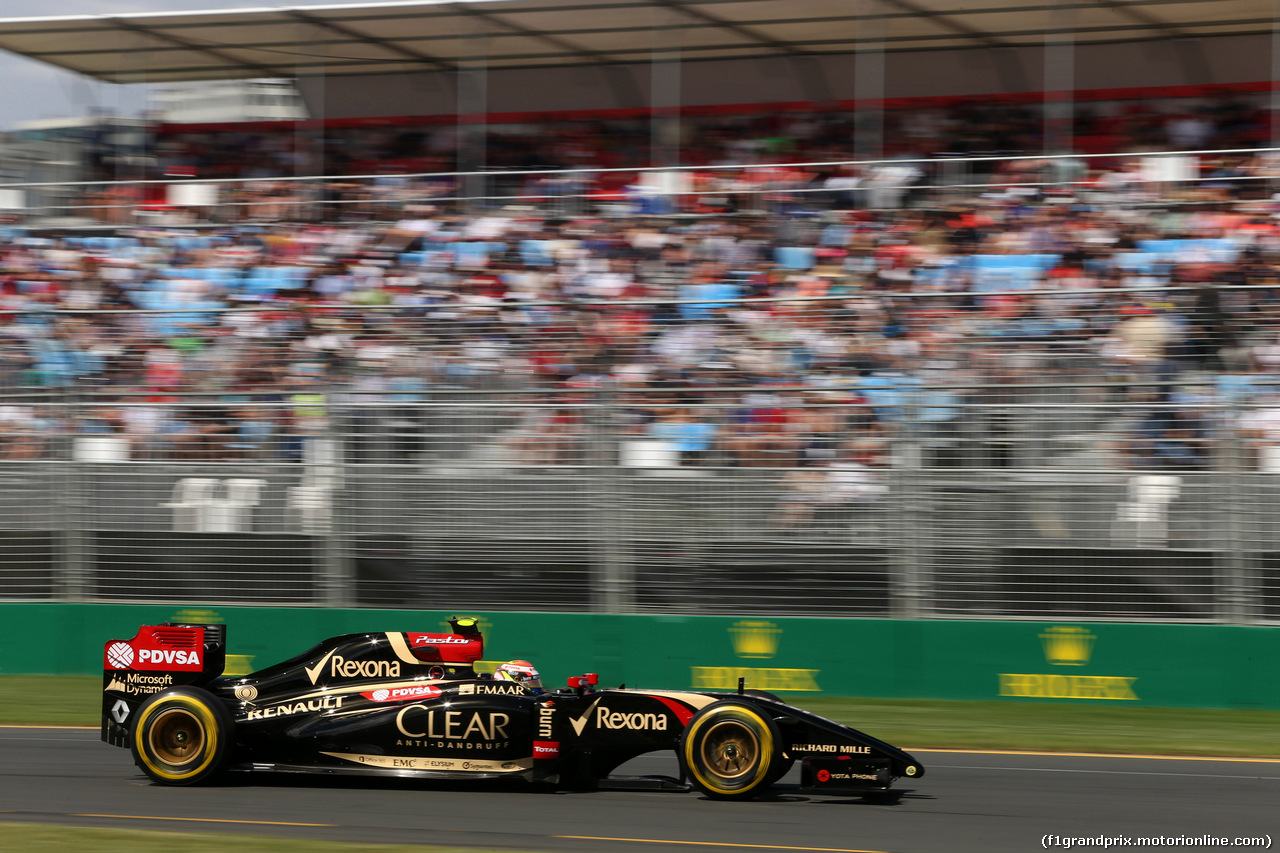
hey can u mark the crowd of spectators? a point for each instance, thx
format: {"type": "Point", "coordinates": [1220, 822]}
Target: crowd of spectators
{"type": "Point", "coordinates": [1108, 323]}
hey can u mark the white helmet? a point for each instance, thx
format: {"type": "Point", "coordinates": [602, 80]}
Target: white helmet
{"type": "Point", "coordinates": [521, 672]}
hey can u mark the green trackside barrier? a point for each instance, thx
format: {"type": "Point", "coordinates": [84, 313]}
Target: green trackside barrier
{"type": "Point", "coordinates": [1190, 666]}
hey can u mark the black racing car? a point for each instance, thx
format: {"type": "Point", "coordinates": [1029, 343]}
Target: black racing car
{"type": "Point", "coordinates": [412, 704]}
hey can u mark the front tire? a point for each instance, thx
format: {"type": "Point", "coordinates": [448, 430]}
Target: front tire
{"type": "Point", "coordinates": [182, 736]}
{"type": "Point", "coordinates": [729, 751]}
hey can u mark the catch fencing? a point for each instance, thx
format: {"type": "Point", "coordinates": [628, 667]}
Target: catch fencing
{"type": "Point", "coordinates": [605, 459]}
{"type": "Point", "coordinates": [1124, 179]}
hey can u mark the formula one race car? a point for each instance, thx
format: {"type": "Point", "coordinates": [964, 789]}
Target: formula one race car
{"type": "Point", "coordinates": [412, 704]}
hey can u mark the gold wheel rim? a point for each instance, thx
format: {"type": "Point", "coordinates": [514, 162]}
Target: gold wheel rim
{"type": "Point", "coordinates": [176, 737]}
{"type": "Point", "coordinates": [730, 750]}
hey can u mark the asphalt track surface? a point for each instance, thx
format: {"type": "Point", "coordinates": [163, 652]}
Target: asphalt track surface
{"type": "Point", "coordinates": [968, 801]}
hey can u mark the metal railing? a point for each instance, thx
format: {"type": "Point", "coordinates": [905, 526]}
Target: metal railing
{"type": "Point", "coordinates": [1134, 178]}
{"type": "Point", "coordinates": [600, 500]}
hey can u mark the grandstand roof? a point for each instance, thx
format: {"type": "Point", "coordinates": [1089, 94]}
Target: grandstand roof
{"type": "Point", "coordinates": [424, 35]}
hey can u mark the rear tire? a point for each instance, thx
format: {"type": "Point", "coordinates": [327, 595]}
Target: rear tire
{"type": "Point", "coordinates": [182, 736]}
{"type": "Point", "coordinates": [730, 751]}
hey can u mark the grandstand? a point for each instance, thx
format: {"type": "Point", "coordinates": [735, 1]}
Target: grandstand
{"type": "Point", "coordinates": [1014, 386]}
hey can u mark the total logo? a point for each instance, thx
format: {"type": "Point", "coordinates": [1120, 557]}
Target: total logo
{"type": "Point", "coordinates": [606, 719]}
{"type": "Point", "coordinates": [400, 694]}
{"type": "Point", "coordinates": [123, 655]}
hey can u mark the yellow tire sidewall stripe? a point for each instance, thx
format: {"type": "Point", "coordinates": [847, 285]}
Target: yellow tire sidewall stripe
{"type": "Point", "coordinates": [201, 712]}
{"type": "Point", "coordinates": [737, 713]}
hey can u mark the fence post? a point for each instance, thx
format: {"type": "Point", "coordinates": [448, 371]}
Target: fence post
{"type": "Point", "coordinates": [613, 581]}
{"type": "Point", "coordinates": [1232, 582]}
{"type": "Point", "coordinates": [74, 583]}
{"type": "Point", "coordinates": [909, 581]}
{"type": "Point", "coordinates": [337, 571]}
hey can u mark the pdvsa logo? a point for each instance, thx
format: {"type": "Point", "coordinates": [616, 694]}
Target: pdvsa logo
{"type": "Point", "coordinates": [124, 655]}
{"type": "Point", "coordinates": [399, 694]}
{"type": "Point", "coordinates": [120, 655]}
{"type": "Point", "coordinates": [168, 657]}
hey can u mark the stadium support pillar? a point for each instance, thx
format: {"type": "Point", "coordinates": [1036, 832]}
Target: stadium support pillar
{"type": "Point", "coordinates": [1059, 78]}
{"type": "Point", "coordinates": [309, 134]}
{"type": "Point", "coordinates": [473, 111]}
{"type": "Point", "coordinates": [664, 89]}
{"type": "Point", "coordinates": [1275, 79]}
{"type": "Point", "coordinates": [869, 82]}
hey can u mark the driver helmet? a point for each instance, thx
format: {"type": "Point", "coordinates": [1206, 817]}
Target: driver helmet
{"type": "Point", "coordinates": [521, 672]}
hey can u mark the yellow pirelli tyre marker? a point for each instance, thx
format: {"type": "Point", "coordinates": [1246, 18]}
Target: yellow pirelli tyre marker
{"type": "Point", "coordinates": [729, 751]}
{"type": "Point", "coordinates": [179, 738]}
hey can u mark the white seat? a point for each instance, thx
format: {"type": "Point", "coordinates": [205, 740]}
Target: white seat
{"type": "Point", "coordinates": [234, 513]}
{"type": "Point", "coordinates": [1144, 518]}
{"type": "Point", "coordinates": [192, 499]}
{"type": "Point", "coordinates": [311, 508]}
{"type": "Point", "coordinates": [650, 453]}
{"type": "Point", "coordinates": [320, 463]}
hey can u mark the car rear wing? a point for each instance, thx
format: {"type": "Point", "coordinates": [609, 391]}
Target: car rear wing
{"type": "Point", "coordinates": [156, 658]}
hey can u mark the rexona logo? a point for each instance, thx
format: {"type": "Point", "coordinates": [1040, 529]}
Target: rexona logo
{"type": "Point", "coordinates": [340, 667]}
{"type": "Point", "coordinates": [401, 694]}
{"type": "Point", "coordinates": [607, 719]}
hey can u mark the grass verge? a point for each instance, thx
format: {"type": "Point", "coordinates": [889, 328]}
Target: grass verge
{"type": "Point", "coordinates": [38, 838]}
{"type": "Point", "coordinates": [74, 701]}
